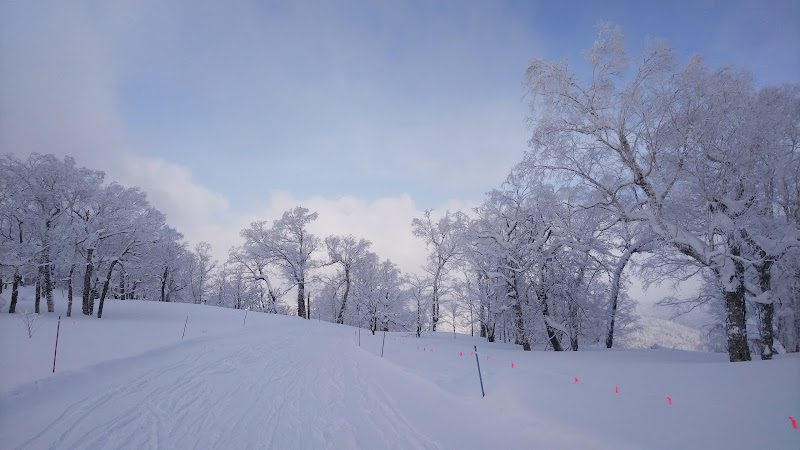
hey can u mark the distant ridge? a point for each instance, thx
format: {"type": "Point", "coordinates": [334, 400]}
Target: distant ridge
{"type": "Point", "coordinates": [653, 332]}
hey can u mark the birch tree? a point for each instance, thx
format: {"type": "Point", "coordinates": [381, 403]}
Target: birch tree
{"type": "Point", "coordinates": [672, 138]}
{"type": "Point", "coordinates": [348, 254]}
{"type": "Point", "coordinates": [441, 237]}
{"type": "Point", "coordinates": [288, 245]}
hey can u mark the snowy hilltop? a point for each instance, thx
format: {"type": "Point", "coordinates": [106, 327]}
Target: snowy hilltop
{"type": "Point", "coordinates": [652, 332]}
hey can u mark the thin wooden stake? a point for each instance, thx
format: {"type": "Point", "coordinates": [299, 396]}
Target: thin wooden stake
{"type": "Point", "coordinates": [184, 327]}
{"type": "Point", "coordinates": [55, 352]}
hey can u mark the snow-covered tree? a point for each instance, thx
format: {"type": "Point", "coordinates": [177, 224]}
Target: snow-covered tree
{"type": "Point", "coordinates": [417, 287]}
{"type": "Point", "coordinates": [286, 245]}
{"type": "Point", "coordinates": [135, 232]}
{"type": "Point", "coordinates": [202, 265]}
{"type": "Point", "coordinates": [379, 294]}
{"type": "Point", "coordinates": [441, 237]}
{"type": "Point", "coordinates": [60, 222]}
{"type": "Point", "coordinates": [348, 254]}
{"type": "Point", "coordinates": [679, 149]}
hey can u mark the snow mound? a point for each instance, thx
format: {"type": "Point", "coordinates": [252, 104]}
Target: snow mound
{"type": "Point", "coordinates": [655, 333]}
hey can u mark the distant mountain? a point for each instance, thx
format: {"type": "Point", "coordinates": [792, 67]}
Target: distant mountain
{"type": "Point", "coordinates": [653, 332]}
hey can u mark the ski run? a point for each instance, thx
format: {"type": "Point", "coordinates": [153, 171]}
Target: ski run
{"type": "Point", "coordinates": [266, 381]}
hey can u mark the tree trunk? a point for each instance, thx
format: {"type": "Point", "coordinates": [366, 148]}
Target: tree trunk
{"type": "Point", "coordinates": [308, 307]}
{"type": "Point", "coordinates": [483, 318]}
{"type": "Point", "coordinates": [69, 291]}
{"type": "Point", "coordinates": [132, 294]}
{"type": "Point", "coordinates": [164, 284]}
{"type": "Point", "coordinates": [105, 289]}
{"type": "Point", "coordinates": [87, 282]}
{"type": "Point", "coordinates": [736, 328]}
{"type": "Point", "coordinates": [12, 308]}
{"type": "Point", "coordinates": [120, 294]}
{"type": "Point", "coordinates": [767, 312]}
{"type": "Point", "coordinates": [767, 337]}
{"type": "Point", "coordinates": [340, 319]}
{"type": "Point", "coordinates": [795, 317]}
{"type": "Point", "coordinates": [435, 300]}
{"type": "Point", "coordinates": [48, 288]}
{"type": "Point", "coordinates": [273, 302]}
{"type": "Point", "coordinates": [520, 337]}
{"type": "Point", "coordinates": [735, 309]}
{"type": "Point", "coordinates": [615, 294]}
{"type": "Point", "coordinates": [471, 320]}
{"type": "Point", "coordinates": [94, 296]}
{"type": "Point", "coordinates": [301, 298]}
{"type": "Point", "coordinates": [551, 332]}
{"type": "Point", "coordinates": [419, 312]}
{"type": "Point", "coordinates": [574, 326]}
{"type": "Point", "coordinates": [239, 292]}
{"type": "Point", "coordinates": [38, 291]}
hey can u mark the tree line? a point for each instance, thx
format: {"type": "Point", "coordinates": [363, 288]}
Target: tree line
{"type": "Point", "coordinates": [645, 167]}
{"type": "Point", "coordinates": [696, 170]}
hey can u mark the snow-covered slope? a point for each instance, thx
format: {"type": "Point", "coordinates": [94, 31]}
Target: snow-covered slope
{"type": "Point", "coordinates": [652, 332]}
{"type": "Point", "coordinates": [129, 381]}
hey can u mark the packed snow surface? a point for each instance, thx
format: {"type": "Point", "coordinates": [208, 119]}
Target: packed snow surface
{"type": "Point", "coordinates": [129, 380]}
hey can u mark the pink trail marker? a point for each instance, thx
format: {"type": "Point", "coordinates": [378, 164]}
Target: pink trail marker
{"type": "Point", "coordinates": [576, 381]}
{"type": "Point", "coordinates": [616, 389]}
{"type": "Point", "coordinates": [794, 422]}
{"type": "Point", "coordinates": [669, 400]}
{"type": "Point", "coordinates": [460, 354]}
{"type": "Point", "coordinates": [512, 364]}
{"type": "Point", "coordinates": [487, 356]}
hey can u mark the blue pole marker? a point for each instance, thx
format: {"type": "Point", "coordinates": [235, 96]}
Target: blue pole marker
{"type": "Point", "coordinates": [480, 377]}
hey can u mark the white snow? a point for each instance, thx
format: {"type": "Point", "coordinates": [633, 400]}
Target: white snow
{"type": "Point", "coordinates": [129, 381]}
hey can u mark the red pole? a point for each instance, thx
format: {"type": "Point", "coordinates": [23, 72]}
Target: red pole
{"type": "Point", "coordinates": [184, 327]}
{"type": "Point", "coordinates": [55, 352]}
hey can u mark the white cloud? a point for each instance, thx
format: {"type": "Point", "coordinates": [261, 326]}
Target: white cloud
{"type": "Point", "coordinates": [57, 87]}
{"type": "Point", "coordinates": [386, 222]}
{"type": "Point", "coordinates": [59, 97]}
{"type": "Point", "coordinates": [171, 189]}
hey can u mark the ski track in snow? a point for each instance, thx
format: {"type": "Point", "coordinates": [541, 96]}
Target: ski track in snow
{"type": "Point", "coordinates": [286, 383]}
{"type": "Point", "coordinates": [235, 389]}
{"type": "Point", "coordinates": [257, 394]}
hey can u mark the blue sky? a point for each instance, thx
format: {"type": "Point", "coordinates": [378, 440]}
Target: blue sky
{"type": "Point", "coordinates": [369, 112]}
{"type": "Point", "coordinates": [382, 98]}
